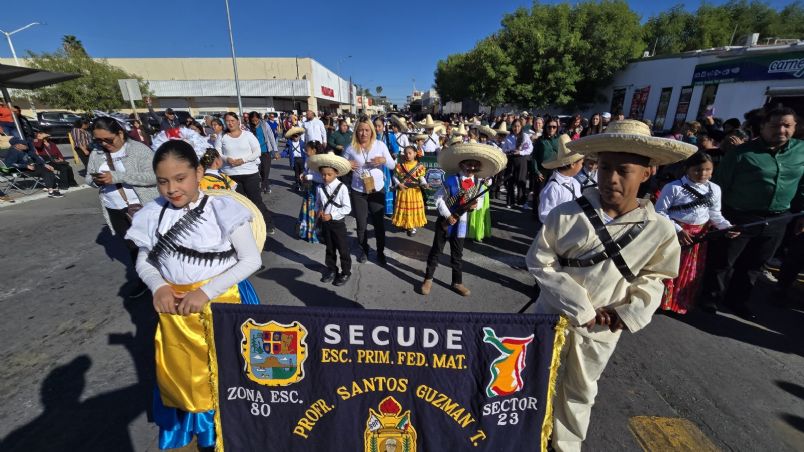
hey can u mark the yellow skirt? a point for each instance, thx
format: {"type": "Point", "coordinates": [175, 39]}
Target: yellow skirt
{"type": "Point", "coordinates": [409, 209]}
{"type": "Point", "coordinates": [182, 355]}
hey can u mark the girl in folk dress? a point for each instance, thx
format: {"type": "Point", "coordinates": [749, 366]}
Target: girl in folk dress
{"type": "Point", "coordinates": [213, 178]}
{"type": "Point", "coordinates": [693, 204]}
{"type": "Point", "coordinates": [309, 181]}
{"type": "Point", "coordinates": [480, 219]}
{"type": "Point", "coordinates": [409, 181]}
{"type": "Point", "coordinates": [195, 249]}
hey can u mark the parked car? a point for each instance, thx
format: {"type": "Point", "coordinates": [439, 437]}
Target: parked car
{"type": "Point", "coordinates": [154, 124]}
{"type": "Point", "coordinates": [57, 124]}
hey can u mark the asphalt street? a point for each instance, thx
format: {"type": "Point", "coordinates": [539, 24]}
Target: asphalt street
{"type": "Point", "coordinates": [76, 356]}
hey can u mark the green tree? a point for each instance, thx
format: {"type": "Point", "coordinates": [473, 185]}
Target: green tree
{"type": "Point", "coordinates": [451, 81]}
{"type": "Point", "coordinates": [72, 44]}
{"type": "Point", "coordinates": [97, 89]}
{"type": "Point", "coordinates": [789, 22]}
{"type": "Point", "coordinates": [669, 31]}
{"type": "Point", "coordinates": [378, 90]}
{"type": "Point", "coordinates": [489, 72]}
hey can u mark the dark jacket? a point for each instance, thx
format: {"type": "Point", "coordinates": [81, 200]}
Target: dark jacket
{"type": "Point", "coordinates": [337, 138]}
{"type": "Point", "coordinates": [21, 159]}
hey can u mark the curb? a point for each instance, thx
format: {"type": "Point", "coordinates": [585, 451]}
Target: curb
{"type": "Point", "coordinates": [39, 195]}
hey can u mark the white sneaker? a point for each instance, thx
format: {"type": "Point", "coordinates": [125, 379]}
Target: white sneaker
{"type": "Point", "coordinates": [765, 273]}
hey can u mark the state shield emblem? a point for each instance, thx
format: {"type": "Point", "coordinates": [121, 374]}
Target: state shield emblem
{"type": "Point", "coordinates": [274, 353]}
{"type": "Point", "coordinates": [389, 429]}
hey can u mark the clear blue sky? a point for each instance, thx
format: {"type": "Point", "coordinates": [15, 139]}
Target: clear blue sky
{"type": "Point", "coordinates": [390, 42]}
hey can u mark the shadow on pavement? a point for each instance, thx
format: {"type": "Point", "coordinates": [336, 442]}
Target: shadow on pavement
{"type": "Point", "coordinates": [314, 295]}
{"type": "Point", "coordinates": [797, 422]}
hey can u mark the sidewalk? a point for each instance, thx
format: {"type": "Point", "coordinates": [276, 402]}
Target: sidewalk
{"type": "Point", "coordinates": [22, 198]}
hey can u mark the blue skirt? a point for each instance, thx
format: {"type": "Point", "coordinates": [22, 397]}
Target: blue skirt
{"type": "Point", "coordinates": [177, 427]}
{"type": "Point", "coordinates": [389, 194]}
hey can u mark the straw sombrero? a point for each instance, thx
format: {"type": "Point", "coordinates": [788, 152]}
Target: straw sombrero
{"type": "Point", "coordinates": [461, 130]}
{"type": "Point", "coordinates": [399, 122]}
{"type": "Point", "coordinates": [428, 123]}
{"type": "Point", "coordinates": [456, 139]}
{"type": "Point", "coordinates": [487, 131]}
{"type": "Point", "coordinates": [503, 129]}
{"type": "Point", "coordinates": [491, 160]}
{"type": "Point", "coordinates": [564, 156]}
{"type": "Point", "coordinates": [294, 131]}
{"type": "Point", "coordinates": [419, 136]}
{"type": "Point", "coordinates": [339, 164]}
{"type": "Point", "coordinates": [633, 137]}
{"type": "Point", "coordinates": [257, 220]}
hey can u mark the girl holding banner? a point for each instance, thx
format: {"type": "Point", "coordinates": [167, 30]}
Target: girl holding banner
{"type": "Point", "coordinates": [196, 248]}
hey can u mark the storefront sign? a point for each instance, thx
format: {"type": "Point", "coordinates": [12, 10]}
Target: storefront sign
{"type": "Point", "coordinates": [314, 379]}
{"type": "Point", "coordinates": [327, 91]}
{"type": "Point", "coordinates": [786, 66]}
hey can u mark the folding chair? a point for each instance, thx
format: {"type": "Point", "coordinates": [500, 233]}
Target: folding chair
{"type": "Point", "coordinates": [14, 179]}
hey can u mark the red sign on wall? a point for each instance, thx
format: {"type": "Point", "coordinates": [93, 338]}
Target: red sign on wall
{"type": "Point", "coordinates": [327, 91]}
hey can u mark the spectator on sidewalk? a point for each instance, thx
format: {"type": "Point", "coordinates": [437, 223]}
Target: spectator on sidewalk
{"type": "Point", "coordinates": [7, 120]}
{"type": "Point", "coordinates": [81, 140]}
{"type": "Point", "coordinates": [27, 129]}
{"type": "Point", "coordinates": [268, 149]}
{"type": "Point", "coordinates": [138, 133]}
{"type": "Point", "coordinates": [50, 153]}
{"type": "Point", "coordinates": [22, 156]}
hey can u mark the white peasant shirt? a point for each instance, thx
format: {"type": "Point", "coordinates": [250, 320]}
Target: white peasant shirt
{"type": "Point", "coordinates": [674, 194]}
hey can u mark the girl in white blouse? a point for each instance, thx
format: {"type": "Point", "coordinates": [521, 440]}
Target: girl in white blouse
{"type": "Point", "coordinates": [692, 203]}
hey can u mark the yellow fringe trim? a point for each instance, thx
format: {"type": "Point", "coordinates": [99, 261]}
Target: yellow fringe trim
{"type": "Point", "coordinates": [209, 333]}
{"type": "Point", "coordinates": [555, 363]}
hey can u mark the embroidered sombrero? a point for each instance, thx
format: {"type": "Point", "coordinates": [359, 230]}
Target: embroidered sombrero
{"type": "Point", "coordinates": [257, 220]}
{"type": "Point", "coordinates": [491, 160]}
{"type": "Point", "coordinates": [564, 156]}
{"type": "Point", "coordinates": [294, 131]}
{"type": "Point", "coordinates": [339, 164]}
{"type": "Point", "coordinates": [633, 137]}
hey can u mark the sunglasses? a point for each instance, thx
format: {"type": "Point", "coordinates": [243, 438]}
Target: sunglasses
{"type": "Point", "coordinates": [108, 141]}
{"type": "Point", "coordinates": [552, 127]}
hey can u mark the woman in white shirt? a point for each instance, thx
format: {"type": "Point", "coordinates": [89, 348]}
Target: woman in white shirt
{"type": "Point", "coordinates": [692, 203]}
{"type": "Point", "coordinates": [518, 147]}
{"type": "Point", "coordinates": [241, 155]}
{"type": "Point", "coordinates": [368, 156]}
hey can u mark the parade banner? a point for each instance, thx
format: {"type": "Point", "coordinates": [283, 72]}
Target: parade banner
{"type": "Point", "coordinates": [314, 379]}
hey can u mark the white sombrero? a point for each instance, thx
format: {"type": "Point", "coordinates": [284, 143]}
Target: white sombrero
{"type": "Point", "coordinates": [294, 131]}
{"type": "Point", "coordinates": [491, 160]}
{"type": "Point", "coordinates": [339, 164]}
{"type": "Point", "coordinates": [564, 156]}
{"type": "Point", "coordinates": [503, 129]}
{"type": "Point", "coordinates": [633, 137]}
{"type": "Point", "coordinates": [257, 221]}
{"type": "Point", "coordinates": [399, 122]}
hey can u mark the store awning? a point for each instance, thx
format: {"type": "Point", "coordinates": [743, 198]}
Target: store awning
{"type": "Point", "coordinates": [17, 77]}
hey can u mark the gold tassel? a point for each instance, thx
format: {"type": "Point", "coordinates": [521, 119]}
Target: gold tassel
{"type": "Point", "coordinates": [209, 333]}
{"type": "Point", "coordinates": [558, 344]}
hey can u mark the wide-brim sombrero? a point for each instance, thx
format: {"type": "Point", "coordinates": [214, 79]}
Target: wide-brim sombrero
{"type": "Point", "coordinates": [502, 129]}
{"type": "Point", "coordinates": [257, 221]}
{"type": "Point", "coordinates": [420, 136]}
{"type": "Point", "coordinates": [294, 131]}
{"type": "Point", "coordinates": [339, 164]}
{"type": "Point", "coordinates": [491, 160]}
{"type": "Point", "coordinates": [563, 156]}
{"type": "Point", "coordinates": [487, 131]}
{"type": "Point", "coordinates": [399, 122]}
{"type": "Point", "coordinates": [633, 137]}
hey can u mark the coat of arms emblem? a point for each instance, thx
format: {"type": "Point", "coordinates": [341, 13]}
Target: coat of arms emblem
{"type": "Point", "coordinates": [389, 429]}
{"type": "Point", "coordinates": [506, 370]}
{"type": "Point", "coordinates": [274, 353]}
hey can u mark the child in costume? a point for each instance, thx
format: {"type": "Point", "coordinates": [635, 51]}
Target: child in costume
{"type": "Point", "coordinates": [295, 150]}
{"type": "Point", "coordinates": [480, 219]}
{"type": "Point", "coordinates": [213, 178]}
{"type": "Point", "coordinates": [466, 165]}
{"type": "Point", "coordinates": [692, 203]}
{"type": "Point", "coordinates": [600, 261]}
{"type": "Point", "coordinates": [587, 177]}
{"type": "Point", "coordinates": [195, 249]}
{"type": "Point", "coordinates": [310, 180]}
{"type": "Point", "coordinates": [409, 181]}
{"type": "Point", "coordinates": [562, 186]}
{"type": "Point", "coordinates": [332, 205]}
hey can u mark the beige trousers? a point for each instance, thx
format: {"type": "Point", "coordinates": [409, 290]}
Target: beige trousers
{"type": "Point", "coordinates": [582, 362]}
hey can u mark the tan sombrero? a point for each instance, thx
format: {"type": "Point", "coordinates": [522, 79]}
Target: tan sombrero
{"type": "Point", "coordinates": [633, 137]}
{"type": "Point", "coordinates": [564, 156]}
{"type": "Point", "coordinates": [294, 131]}
{"type": "Point", "coordinates": [487, 131]}
{"type": "Point", "coordinates": [420, 136]}
{"type": "Point", "coordinates": [461, 130]}
{"type": "Point", "coordinates": [257, 220]}
{"type": "Point", "coordinates": [399, 122]}
{"type": "Point", "coordinates": [503, 129]}
{"type": "Point", "coordinates": [456, 139]}
{"type": "Point", "coordinates": [491, 160]}
{"type": "Point", "coordinates": [339, 164]}
{"type": "Point", "coordinates": [428, 123]}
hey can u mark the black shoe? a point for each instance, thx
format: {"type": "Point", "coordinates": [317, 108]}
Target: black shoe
{"type": "Point", "coordinates": [268, 190]}
{"type": "Point", "coordinates": [709, 307]}
{"type": "Point", "coordinates": [363, 257]}
{"type": "Point", "coordinates": [271, 230]}
{"type": "Point", "coordinates": [381, 259]}
{"type": "Point", "coordinates": [55, 194]}
{"type": "Point", "coordinates": [743, 311]}
{"type": "Point", "coordinates": [342, 279]}
{"type": "Point", "coordinates": [328, 277]}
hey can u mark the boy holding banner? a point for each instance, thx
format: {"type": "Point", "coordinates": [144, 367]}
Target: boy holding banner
{"type": "Point", "coordinates": [600, 261]}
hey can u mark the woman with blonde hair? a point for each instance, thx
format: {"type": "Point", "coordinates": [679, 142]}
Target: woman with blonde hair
{"type": "Point", "coordinates": [368, 156]}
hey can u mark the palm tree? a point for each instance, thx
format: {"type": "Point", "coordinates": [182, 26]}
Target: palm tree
{"type": "Point", "coordinates": [378, 90]}
{"type": "Point", "coordinates": [72, 44]}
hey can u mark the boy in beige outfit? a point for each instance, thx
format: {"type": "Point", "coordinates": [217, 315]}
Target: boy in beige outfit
{"type": "Point", "coordinates": [600, 261]}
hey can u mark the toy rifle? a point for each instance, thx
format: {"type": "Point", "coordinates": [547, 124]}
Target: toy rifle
{"type": "Point", "coordinates": [458, 209]}
{"type": "Point", "coordinates": [711, 235]}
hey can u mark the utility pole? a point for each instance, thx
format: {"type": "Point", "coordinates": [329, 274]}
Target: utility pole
{"type": "Point", "coordinates": [234, 60]}
{"type": "Point", "coordinates": [14, 54]}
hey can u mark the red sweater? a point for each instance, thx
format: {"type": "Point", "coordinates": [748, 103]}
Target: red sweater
{"type": "Point", "coordinates": [43, 149]}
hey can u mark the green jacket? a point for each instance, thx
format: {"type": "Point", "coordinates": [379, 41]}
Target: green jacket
{"type": "Point", "coordinates": [543, 150]}
{"type": "Point", "coordinates": [752, 178]}
{"type": "Point", "coordinates": [337, 138]}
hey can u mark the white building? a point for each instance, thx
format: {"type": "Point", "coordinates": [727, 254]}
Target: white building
{"type": "Point", "coordinates": [670, 90]}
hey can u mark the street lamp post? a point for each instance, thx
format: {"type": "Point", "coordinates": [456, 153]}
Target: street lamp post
{"type": "Point", "coordinates": [234, 60]}
{"type": "Point", "coordinates": [14, 53]}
